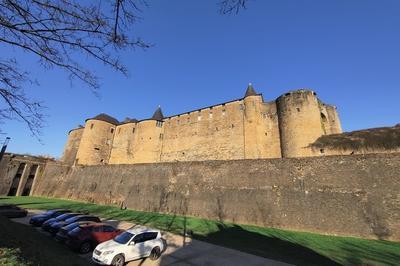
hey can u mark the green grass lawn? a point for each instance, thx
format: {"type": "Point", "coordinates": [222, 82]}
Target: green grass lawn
{"type": "Point", "coordinates": [288, 246]}
{"type": "Point", "coordinates": [21, 245]}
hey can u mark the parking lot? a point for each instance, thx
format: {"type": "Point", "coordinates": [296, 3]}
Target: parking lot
{"type": "Point", "coordinates": [180, 250]}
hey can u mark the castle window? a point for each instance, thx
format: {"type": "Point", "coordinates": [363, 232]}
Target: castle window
{"type": "Point", "coordinates": [91, 126]}
{"type": "Point", "coordinates": [133, 130]}
{"type": "Point", "coordinates": [159, 123]}
{"type": "Point", "coordinates": [322, 151]}
{"type": "Point", "coordinates": [161, 136]}
{"type": "Point", "coordinates": [298, 109]}
{"type": "Point", "coordinates": [112, 130]}
{"type": "Point", "coordinates": [232, 126]}
{"type": "Point", "coordinates": [97, 149]}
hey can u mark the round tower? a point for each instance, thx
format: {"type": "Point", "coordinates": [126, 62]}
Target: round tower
{"type": "Point", "coordinates": [252, 102]}
{"type": "Point", "coordinates": [96, 141]}
{"type": "Point", "coordinates": [300, 123]}
{"type": "Point", "coordinates": [72, 145]}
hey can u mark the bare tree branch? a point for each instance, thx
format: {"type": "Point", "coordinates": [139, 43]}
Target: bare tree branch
{"type": "Point", "coordinates": [232, 6]}
{"type": "Point", "coordinates": [60, 33]}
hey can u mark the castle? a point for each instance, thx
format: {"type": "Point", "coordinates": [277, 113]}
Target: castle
{"type": "Point", "coordinates": [245, 128]}
{"type": "Point", "coordinates": [218, 163]}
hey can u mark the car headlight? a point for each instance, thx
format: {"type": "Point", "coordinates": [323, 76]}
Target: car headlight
{"type": "Point", "coordinates": [108, 252]}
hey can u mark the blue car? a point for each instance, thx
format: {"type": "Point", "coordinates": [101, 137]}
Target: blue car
{"type": "Point", "coordinates": [39, 219]}
{"type": "Point", "coordinates": [54, 227]}
{"type": "Point", "coordinates": [46, 225]}
{"type": "Point", "coordinates": [62, 234]}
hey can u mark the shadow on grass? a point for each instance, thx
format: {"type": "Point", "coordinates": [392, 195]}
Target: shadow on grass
{"type": "Point", "coordinates": [383, 253]}
{"type": "Point", "coordinates": [34, 248]}
{"type": "Point", "coordinates": [269, 247]}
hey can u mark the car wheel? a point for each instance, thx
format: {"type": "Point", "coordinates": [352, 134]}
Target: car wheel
{"type": "Point", "coordinates": [85, 247]}
{"type": "Point", "coordinates": [118, 260]}
{"type": "Point", "coordinates": [155, 253]}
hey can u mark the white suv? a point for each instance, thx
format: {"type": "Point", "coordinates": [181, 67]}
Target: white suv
{"type": "Point", "coordinates": [135, 243]}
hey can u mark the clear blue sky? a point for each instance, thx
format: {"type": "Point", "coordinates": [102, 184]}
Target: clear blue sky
{"type": "Point", "coordinates": [347, 51]}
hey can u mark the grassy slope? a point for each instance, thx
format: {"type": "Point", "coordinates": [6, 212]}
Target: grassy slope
{"type": "Point", "coordinates": [292, 247]}
{"type": "Point", "coordinates": [20, 246]}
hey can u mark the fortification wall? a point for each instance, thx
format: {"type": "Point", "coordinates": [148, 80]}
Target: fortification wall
{"type": "Point", "coordinates": [96, 142]}
{"type": "Point", "coordinates": [149, 139]}
{"type": "Point", "coordinates": [268, 131]}
{"type": "Point", "coordinates": [340, 195]}
{"type": "Point", "coordinates": [207, 134]}
{"type": "Point", "coordinates": [72, 146]}
{"type": "Point", "coordinates": [125, 140]}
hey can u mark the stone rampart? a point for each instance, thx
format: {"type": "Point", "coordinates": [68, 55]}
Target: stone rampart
{"type": "Point", "coordinates": [354, 195]}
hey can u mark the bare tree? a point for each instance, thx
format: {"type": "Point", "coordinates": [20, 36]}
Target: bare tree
{"type": "Point", "coordinates": [232, 6]}
{"type": "Point", "coordinates": [58, 33]}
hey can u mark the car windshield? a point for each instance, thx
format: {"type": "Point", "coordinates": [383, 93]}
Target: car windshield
{"type": "Point", "coordinates": [76, 230]}
{"type": "Point", "coordinates": [123, 238]}
{"type": "Point", "coordinates": [72, 219]}
{"type": "Point", "coordinates": [64, 216]}
{"type": "Point", "coordinates": [71, 226]}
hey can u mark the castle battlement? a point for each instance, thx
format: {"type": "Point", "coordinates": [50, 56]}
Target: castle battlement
{"type": "Point", "coordinates": [245, 128]}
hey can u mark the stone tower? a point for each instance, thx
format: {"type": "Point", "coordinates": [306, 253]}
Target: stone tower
{"type": "Point", "coordinates": [96, 142]}
{"type": "Point", "coordinates": [300, 122]}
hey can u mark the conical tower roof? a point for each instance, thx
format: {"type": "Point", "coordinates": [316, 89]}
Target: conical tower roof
{"type": "Point", "coordinates": [250, 91]}
{"type": "Point", "coordinates": [158, 115]}
{"type": "Point", "coordinates": [105, 118]}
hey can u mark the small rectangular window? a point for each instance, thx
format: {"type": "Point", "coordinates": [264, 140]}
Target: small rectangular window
{"type": "Point", "coordinates": [91, 126]}
{"type": "Point", "coordinates": [112, 130]}
{"type": "Point", "coordinates": [159, 123]}
{"type": "Point", "coordinates": [133, 130]}
{"type": "Point", "coordinates": [161, 136]}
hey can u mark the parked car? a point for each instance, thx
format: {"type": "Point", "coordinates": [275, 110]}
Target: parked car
{"type": "Point", "coordinates": [85, 238]}
{"type": "Point", "coordinates": [135, 243]}
{"type": "Point", "coordinates": [62, 234]}
{"type": "Point", "coordinates": [57, 225]}
{"type": "Point", "coordinates": [39, 219]}
{"type": "Point", "coordinates": [12, 211]}
{"type": "Point", "coordinates": [47, 224]}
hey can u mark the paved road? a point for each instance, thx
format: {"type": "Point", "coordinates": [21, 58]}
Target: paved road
{"type": "Point", "coordinates": [186, 251]}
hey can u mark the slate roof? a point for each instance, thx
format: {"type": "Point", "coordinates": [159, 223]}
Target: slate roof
{"type": "Point", "coordinates": [105, 118]}
{"type": "Point", "coordinates": [158, 115]}
{"type": "Point", "coordinates": [250, 91]}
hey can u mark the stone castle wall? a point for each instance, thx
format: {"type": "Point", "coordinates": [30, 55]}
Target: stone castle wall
{"type": "Point", "coordinates": [338, 195]}
{"type": "Point", "coordinates": [247, 128]}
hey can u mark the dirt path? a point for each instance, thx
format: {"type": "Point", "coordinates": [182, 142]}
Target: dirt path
{"type": "Point", "coordinates": [186, 251]}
